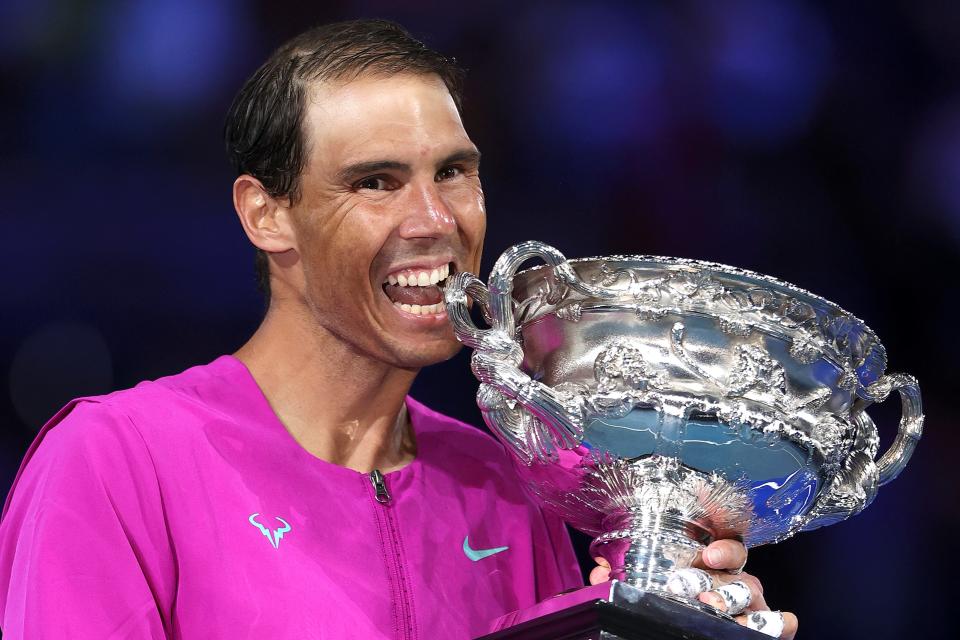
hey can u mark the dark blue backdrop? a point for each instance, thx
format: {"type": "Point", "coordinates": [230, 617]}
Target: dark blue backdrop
{"type": "Point", "coordinates": [816, 142]}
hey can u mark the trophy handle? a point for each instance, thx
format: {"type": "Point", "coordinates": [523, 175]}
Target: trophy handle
{"type": "Point", "coordinates": [456, 297]}
{"type": "Point", "coordinates": [497, 357]}
{"type": "Point", "coordinates": [501, 280]}
{"type": "Point", "coordinates": [896, 457]}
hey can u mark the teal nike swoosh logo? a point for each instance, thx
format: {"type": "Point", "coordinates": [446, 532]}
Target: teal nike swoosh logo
{"type": "Point", "coordinates": [479, 554]}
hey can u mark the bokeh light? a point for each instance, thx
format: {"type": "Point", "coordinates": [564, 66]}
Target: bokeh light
{"type": "Point", "coordinates": [57, 362]}
{"type": "Point", "coordinates": [934, 171]}
{"type": "Point", "coordinates": [766, 66]}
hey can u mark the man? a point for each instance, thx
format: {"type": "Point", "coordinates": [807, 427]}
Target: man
{"type": "Point", "coordinates": [293, 490]}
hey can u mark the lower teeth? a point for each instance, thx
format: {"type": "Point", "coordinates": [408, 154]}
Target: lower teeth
{"type": "Point", "coordinates": [420, 310]}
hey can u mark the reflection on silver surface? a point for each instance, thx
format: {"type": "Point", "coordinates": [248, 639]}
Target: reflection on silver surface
{"type": "Point", "coordinates": [660, 403]}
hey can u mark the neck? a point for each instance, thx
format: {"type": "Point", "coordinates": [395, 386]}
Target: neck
{"type": "Point", "coordinates": [340, 405]}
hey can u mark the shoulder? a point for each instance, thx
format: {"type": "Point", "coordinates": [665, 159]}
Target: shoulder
{"type": "Point", "coordinates": [88, 449]}
{"type": "Point", "coordinates": [92, 431]}
{"type": "Point", "coordinates": [96, 433]}
{"type": "Point", "coordinates": [85, 431]}
{"type": "Point", "coordinates": [198, 391]}
{"type": "Point", "coordinates": [158, 411]}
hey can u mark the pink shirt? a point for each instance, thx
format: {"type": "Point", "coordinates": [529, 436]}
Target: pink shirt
{"type": "Point", "coordinates": [182, 508]}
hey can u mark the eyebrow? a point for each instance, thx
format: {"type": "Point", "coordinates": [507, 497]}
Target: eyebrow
{"type": "Point", "coordinates": [471, 156]}
{"type": "Point", "coordinates": [360, 169]}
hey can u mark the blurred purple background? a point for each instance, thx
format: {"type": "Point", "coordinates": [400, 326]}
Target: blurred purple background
{"type": "Point", "coordinates": [819, 143]}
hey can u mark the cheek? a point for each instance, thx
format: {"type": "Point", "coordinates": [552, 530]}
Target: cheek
{"type": "Point", "coordinates": [341, 250]}
{"type": "Point", "coordinates": [472, 215]}
{"type": "Point", "coordinates": [477, 232]}
{"type": "Point", "coordinates": [313, 255]}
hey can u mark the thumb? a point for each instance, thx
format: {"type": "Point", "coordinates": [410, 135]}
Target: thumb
{"type": "Point", "coordinates": [599, 574]}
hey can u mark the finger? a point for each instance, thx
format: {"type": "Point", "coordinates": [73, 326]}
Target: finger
{"type": "Point", "coordinates": [776, 624]}
{"type": "Point", "coordinates": [721, 578]}
{"type": "Point", "coordinates": [790, 624]}
{"type": "Point", "coordinates": [602, 562]}
{"type": "Point", "coordinates": [697, 583]}
{"type": "Point", "coordinates": [728, 555]}
{"type": "Point", "coordinates": [599, 574]}
{"type": "Point", "coordinates": [689, 583]}
{"type": "Point", "coordinates": [732, 598]}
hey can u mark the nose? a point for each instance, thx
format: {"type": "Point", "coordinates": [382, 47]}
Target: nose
{"type": "Point", "coordinates": [428, 215]}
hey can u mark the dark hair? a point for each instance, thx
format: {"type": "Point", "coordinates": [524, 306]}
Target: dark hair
{"type": "Point", "coordinates": [264, 128]}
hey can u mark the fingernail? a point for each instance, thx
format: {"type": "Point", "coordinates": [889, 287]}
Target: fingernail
{"type": "Point", "coordinates": [714, 557]}
{"type": "Point", "coordinates": [713, 600]}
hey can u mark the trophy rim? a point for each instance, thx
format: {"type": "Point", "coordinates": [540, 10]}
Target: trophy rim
{"type": "Point", "coordinates": [873, 360]}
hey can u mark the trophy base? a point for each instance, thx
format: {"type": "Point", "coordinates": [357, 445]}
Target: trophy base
{"type": "Point", "coordinates": [617, 611]}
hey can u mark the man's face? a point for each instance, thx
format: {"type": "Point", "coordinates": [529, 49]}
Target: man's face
{"type": "Point", "coordinates": [391, 192]}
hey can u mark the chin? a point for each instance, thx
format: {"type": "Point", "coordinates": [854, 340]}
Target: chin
{"type": "Point", "coordinates": [408, 357]}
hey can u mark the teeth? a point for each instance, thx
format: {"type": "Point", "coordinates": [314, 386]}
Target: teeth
{"type": "Point", "coordinates": [421, 310]}
{"type": "Point", "coordinates": [421, 278]}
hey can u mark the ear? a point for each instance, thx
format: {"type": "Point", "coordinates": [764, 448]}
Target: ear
{"type": "Point", "coordinates": [265, 220]}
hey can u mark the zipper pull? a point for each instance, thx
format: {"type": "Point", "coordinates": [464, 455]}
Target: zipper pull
{"type": "Point", "coordinates": [380, 486]}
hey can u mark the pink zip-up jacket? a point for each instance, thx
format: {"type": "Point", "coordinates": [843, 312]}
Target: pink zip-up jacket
{"type": "Point", "coordinates": [182, 508]}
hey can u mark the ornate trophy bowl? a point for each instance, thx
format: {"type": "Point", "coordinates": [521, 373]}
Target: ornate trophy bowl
{"type": "Point", "coordinates": [659, 404]}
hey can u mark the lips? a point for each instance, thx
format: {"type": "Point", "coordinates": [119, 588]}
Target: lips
{"type": "Point", "coordinates": [417, 290]}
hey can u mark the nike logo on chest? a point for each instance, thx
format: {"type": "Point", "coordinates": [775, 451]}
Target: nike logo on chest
{"type": "Point", "coordinates": [479, 554]}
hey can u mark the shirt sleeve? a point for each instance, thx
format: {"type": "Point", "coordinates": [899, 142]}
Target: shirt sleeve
{"type": "Point", "coordinates": [557, 569]}
{"type": "Point", "coordinates": [84, 551]}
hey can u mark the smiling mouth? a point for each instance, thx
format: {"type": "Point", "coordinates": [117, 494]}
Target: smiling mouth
{"type": "Point", "coordinates": [418, 291]}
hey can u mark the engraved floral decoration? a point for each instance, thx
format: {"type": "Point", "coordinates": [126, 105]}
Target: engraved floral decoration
{"type": "Point", "coordinates": [625, 380]}
{"type": "Point", "coordinates": [740, 300]}
{"type": "Point", "coordinates": [754, 369]}
{"type": "Point", "coordinates": [624, 362]}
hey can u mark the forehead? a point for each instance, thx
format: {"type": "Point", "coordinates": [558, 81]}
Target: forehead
{"type": "Point", "coordinates": [376, 116]}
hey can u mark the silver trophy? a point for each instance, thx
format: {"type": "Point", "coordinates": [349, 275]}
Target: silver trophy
{"type": "Point", "coordinates": [659, 404]}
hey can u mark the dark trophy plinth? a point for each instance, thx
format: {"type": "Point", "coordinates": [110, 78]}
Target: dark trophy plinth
{"type": "Point", "coordinates": [617, 611]}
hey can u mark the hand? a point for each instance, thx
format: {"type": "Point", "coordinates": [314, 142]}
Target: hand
{"type": "Point", "coordinates": [715, 568]}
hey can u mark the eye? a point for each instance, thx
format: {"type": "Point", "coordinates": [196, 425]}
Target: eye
{"type": "Point", "coordinates": [376, 183]}
{"type": "Point", "coordinates": [447, 173]}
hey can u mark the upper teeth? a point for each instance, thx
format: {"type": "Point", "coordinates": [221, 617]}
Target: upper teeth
{"type": "Point", "coordinates": [419, 278]}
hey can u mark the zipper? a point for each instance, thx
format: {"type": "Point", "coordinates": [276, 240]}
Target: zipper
{"type": "Point", "coordinates": [379, 487]}
{"type": "Point", "coordinates": [393, 557]}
